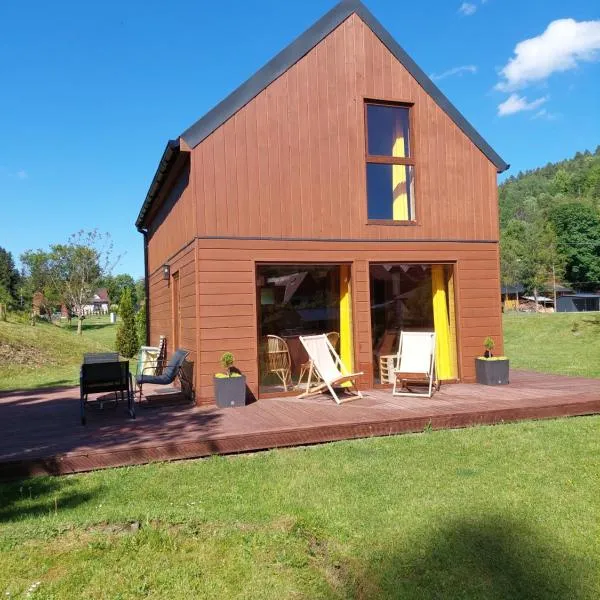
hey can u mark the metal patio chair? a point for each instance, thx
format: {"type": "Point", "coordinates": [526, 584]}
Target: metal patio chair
{"type": "Point", "coordinates": [168, 373]}
{"type": "Point", "coordinates": [105, 373]}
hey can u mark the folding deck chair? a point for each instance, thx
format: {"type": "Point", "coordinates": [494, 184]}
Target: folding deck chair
{"type": "Point", "coordinates": [328, 366]}
{"type": "Point", "coordinates": [415, 363]}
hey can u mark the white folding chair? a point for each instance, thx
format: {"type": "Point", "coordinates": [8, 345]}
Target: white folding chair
{"type": "Point", "coordinates": [415, 363]}
{"type": "Point", "coordinates": [326, 363]}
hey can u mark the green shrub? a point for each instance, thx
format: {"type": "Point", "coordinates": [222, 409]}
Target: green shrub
{"type": "Point", "coordinates": [127, 340]}
{"type": "Point", "coordinates": [140, 324]}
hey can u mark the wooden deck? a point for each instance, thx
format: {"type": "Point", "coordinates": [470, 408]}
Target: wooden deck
{"type": "Point", "coordinates": [40, 431]}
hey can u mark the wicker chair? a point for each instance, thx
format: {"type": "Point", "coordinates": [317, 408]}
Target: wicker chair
{"type": "Point", "coordinates": [278, 360]}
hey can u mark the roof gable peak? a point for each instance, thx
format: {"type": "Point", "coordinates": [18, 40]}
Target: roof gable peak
{"type": "Point", "coordinates": [300, 47]}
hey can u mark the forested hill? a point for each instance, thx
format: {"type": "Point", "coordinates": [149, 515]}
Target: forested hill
{"type": "Point", "coordinates": [550, 222]}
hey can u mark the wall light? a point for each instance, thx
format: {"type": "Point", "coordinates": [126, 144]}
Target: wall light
{"type": "Point", "coordinates": [166, 271]}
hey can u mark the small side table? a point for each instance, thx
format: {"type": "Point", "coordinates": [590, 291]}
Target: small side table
{"type": "Point", "coordinates": [387, 364]}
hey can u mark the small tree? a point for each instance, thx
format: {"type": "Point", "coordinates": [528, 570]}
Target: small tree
{"type": "Point", "coordinates": [4, 300]}
{"type": "Point", "coordinates": [127, 340]}
{"type": "Point", "coordinates": [140, 324]}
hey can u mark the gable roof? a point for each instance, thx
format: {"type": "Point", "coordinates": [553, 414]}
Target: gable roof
{"type": "Point", "coordinates": [288, 57]}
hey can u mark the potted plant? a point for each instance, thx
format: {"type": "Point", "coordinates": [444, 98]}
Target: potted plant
{"type": "Point", "coordinates": [490, 369]}
{"type": "Point", "coordinates": [230, 387]}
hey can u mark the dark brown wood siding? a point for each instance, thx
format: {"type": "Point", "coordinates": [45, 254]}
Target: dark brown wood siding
{"type": "Point", "coordinates": [173, 223]}
{"type": "Point", "coordinates": [161, 299]}
{"type": "Point", "coordinates": [227, 298]}
{"type": "Point", "coordinates": [291, 163]}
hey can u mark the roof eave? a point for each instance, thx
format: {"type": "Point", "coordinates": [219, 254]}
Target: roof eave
{"type": "Point", "coordinates": [168, 158]}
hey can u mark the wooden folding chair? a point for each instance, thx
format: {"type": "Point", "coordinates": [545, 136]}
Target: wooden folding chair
{"type": "Point", "coordinates": [328, 366]}
{"type": "Point", "coordinates": [415, 363]}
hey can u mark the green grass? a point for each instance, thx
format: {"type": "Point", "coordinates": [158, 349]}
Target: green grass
{"type": "Point", "coordinates": [483, 513]}
{"type": "Point", "coordinates": [49, 355]}
{"type": "Point", "coordinates": [562, 343]}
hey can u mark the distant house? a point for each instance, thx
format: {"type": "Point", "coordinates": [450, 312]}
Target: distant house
{"type": "Point", "coordinates": [98, 303]}
{"type": "Point", "coordinates": [578, 303]}
{"type": "Point", "coordinates": [510, 295]}
{"type": "Point", "coordinates": [337, 190]}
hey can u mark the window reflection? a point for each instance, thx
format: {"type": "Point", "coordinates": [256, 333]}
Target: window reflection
{"type": "Point", "coordinates": [402, 299]}
{"type": "Point", "coordinates": [294, 300]}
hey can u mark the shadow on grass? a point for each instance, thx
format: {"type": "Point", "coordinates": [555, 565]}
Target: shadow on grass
{"type": "Point", "coordinates": [489, 559]}
{"type": "Point", "coordinates": [87, 327]}
{"type": "Point", "coordinates": [40, 496]}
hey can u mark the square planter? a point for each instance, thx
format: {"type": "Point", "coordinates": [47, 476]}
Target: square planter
{"type": "Point", "coordinates": [230, 391]}
{"type": "Point", "coordinates": [492, 372]}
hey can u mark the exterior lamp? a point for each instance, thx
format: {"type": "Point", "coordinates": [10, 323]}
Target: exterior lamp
{"type": "Point", "coordinates": [166, 272]}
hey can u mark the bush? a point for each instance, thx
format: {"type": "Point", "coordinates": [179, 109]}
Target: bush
{"type": "Point", "coordinates": [127, 341]}
{"type": "Point", "coordinates": [140, 324]}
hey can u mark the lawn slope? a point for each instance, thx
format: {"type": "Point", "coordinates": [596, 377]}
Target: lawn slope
{"type": "Point", "coordinates": [561, 343]}
{"type": "Point", "coordinates": [48, 355]}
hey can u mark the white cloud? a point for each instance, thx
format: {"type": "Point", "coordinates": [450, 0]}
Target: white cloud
{"type": "Point", "coordinates": [544, 114]}
{"type": "Point", "coordinates": [515, 103]}
{"type": "Point", "coordinates": [455, 71]}
{"type": "Point", "coordinates": [563, 45]}
{"type": "Point", "coordinates": [20, 174]}
{"type": "Point", "coordinates": [467, 8]}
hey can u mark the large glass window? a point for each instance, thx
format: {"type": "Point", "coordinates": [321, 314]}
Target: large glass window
{"type": "Point", "coordinates": [412, 297]}
{"type": "Point", "coordinates": [297, 300]}
{"type": "Point", "coordinates": [390, 163]}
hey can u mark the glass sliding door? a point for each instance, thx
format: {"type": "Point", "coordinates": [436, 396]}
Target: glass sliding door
{"type": "Point", "coordinates": [296, 300]}
{"type": "Point", "coordinates": [412, 297]}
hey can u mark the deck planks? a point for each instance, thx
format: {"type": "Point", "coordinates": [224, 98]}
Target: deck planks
{"type": "Point", "coordinates": [40, 431]}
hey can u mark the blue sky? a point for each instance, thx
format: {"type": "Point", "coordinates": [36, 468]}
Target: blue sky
{"type": "Point", "coordinates": [91, 91]}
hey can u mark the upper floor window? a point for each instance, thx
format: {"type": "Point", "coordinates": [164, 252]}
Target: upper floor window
{"type": "Point", "coordinates": [390, 163]}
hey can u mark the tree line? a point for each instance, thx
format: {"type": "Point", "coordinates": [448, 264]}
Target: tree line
{"type": "Point", "coordinates": [65, 276]}
{"type": "Point", "coordinates": [550, 225]}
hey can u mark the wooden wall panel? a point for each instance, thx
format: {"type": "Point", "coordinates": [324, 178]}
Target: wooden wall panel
{"type": "Point", "coordinates": [174, 224]}
{"type": "Point", "coordinates": [231, 324]}
{"type": "Point", "coordinates": [161, 308]}
{"type": "Point", "coordinates": [290, 166]}
{"type": "Point", "coordinates": [291, 163]}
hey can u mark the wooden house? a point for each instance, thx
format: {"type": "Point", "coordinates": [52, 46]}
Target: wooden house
{"type": "Point", "coordinates": [337, 190]}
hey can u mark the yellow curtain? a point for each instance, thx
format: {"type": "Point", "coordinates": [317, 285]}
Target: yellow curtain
{"type": "Point", "coordinates": [346, 348]}
{"type": "Point", "coordinates": [444, 323]}
{"type": "Point", "coordinates": [400, 195]}
{"type": "Point", "coordinates": [452, 323]}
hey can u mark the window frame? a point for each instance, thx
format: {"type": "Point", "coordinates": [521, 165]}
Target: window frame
{"type": "Point", "coordinates": [392, 160]}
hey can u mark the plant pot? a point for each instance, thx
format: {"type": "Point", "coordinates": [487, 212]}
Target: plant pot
{"type": "Point", "coordinates": [492, 372]}
{"type": "Point", "coordinates": [230, 391]}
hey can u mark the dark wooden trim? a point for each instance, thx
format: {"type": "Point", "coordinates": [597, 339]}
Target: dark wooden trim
{"type": "Point", "coordinates": [389, 160]}
{"type": "Point", "coordinates": [392, 104]}
{"type": "Point", "coordinates": [392, 222]}
{"type": "Point", "coordinates": [175, 282]}
{"type": "Point", "coordinates": [344, 240]}
{"type": "Point", "coordinates": [409, 160]}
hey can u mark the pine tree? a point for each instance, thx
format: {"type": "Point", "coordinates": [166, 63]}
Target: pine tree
{"type": "Point", "coordinates": [127, 341]}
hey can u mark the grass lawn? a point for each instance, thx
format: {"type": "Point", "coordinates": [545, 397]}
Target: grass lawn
{"type": "Point", "coordinates": [49, 355]}
{"type": "Point", "coordinates": [484, 513]}
{"type": "Point", "coordinates": [562, 343]}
